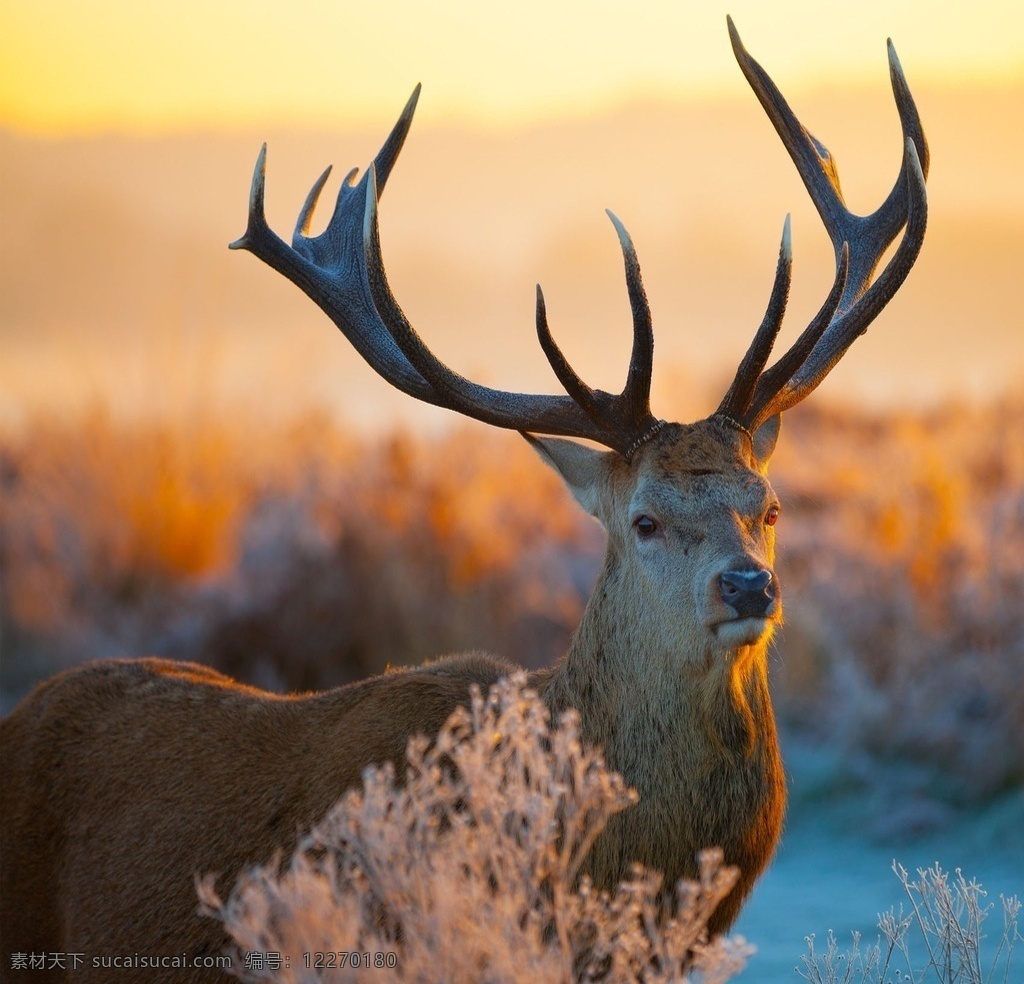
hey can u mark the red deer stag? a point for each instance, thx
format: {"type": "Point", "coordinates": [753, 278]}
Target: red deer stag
{"type": "Point", "coordinates": [123, 780]}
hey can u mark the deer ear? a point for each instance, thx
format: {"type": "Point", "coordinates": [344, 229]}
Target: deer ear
{"type": "Point", "coordinates": [582, 468]}
{"type": "Point", "coordinates": [764, 440]}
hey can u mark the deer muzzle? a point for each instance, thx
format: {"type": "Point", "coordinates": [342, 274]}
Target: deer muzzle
{"type": "Point", "coordinates": [750, 592]}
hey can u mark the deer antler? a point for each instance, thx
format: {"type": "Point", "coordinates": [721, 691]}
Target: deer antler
{"type": "Point", "coordinates": [342, 270]}
{"type": "Point", "coordinates": [859, 242]}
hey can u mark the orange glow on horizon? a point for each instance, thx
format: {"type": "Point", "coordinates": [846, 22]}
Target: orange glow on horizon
{"type": "Point", "coordinates": [67, 67]}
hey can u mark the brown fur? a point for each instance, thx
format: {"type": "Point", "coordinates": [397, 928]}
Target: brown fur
{"type": "Point", "coordinates": [124, 780]}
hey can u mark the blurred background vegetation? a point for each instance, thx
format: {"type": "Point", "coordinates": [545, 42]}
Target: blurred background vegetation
{"type": "Point", "coordinates": [305, 556]}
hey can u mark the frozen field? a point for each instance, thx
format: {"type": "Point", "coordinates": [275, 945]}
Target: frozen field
{"type": "Point", "coordinates": [834, 869]}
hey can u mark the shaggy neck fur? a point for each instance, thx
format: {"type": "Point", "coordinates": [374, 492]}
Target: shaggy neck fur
{"type": "Point", "coordinates": [692, 731]}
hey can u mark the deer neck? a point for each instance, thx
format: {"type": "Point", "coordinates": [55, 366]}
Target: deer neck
{"type": "Point", "coordinates": [644, 687]}
{"type": "Point", "coordinates": [690, 729]}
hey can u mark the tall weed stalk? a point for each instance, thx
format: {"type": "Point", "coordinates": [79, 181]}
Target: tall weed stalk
{"type": "Point", "coordinates": [951, 946]}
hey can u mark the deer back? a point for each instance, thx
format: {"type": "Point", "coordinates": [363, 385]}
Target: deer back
{"type": "Point", "coordinates": [123, 780]}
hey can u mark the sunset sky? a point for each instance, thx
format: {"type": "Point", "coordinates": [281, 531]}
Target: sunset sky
{"type": "Point", "coordinates": [85, 65]}
{"type": "Point", "coordinates": [534, 117]}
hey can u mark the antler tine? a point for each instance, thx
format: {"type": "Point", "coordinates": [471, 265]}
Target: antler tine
{"type": "Point", "coordinates": [814, 162]}
{"type": "Point", "coordinates": [388, 154]}
{"type": "Point", "coordinates": [636, 394]}
{"type": "Point", "coordinates": [848, 326]}
{"type": "Point", "coordinates": [868, 236]}
{"type": "Point", "coordinates": [859, 242]}
{"type": "Point", "coordinates": [775, 378]}
{"type": "Point", "coordinates": [737, 399]}
{"type": "Point", "coordinates": [331, 244]}
{"type": "Point", "coordinates": [897, 205]}
{"type": "Point", "coordinates": [567, 376]}
{"type": "Point", "coordinates": [324, 266]}
{"type": "Point", "coordinates": [309, 206]}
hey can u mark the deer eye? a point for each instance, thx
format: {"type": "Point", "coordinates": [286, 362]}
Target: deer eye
{"type": "Point", "coordinates": [772, 516]}
{"type": "Point", "coordinates": [645, 527]}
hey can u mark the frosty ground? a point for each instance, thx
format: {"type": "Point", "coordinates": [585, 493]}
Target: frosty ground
{"type": "Point", "coordinates": [834, 865]}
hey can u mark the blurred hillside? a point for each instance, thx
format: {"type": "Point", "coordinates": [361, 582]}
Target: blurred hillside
{"type": "Point", "coordinates": [115, 280]}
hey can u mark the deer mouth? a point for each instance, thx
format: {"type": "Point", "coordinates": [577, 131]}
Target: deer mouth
{"type": "Point", "coordinates": [746, 631]}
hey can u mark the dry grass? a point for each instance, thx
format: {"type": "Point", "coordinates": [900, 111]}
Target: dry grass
{"type": "Point", "coordinates": [301, 560]}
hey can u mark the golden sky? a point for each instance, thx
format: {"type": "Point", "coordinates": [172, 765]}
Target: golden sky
{"type": "Point", "coordinates": [138, 65]}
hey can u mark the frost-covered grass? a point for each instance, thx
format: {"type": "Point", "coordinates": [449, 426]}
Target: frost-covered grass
{"type": "Point", "coordinates": [941, 937]}
{"type": "Point", "coordinates": [469, 872]}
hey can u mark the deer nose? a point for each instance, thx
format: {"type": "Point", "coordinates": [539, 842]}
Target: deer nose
{"type": "Point", "coordinates": [750, 593]}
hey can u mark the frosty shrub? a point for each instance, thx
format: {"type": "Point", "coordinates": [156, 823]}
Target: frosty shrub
{"type": "Point", "coordinates": [469, 871]}
{"type": "Point", "coordinates": [946, 918]}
